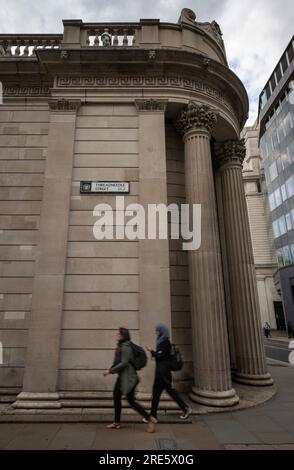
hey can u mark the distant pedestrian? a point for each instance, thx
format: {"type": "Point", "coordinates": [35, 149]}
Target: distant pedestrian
{"type": "Point", "coordinates": [290, 330]}
{"type": "Point", "coordinates": [127, 380]}
{"type": "Point", "coordinates": [267, 329]}
{"type": "Point", "coordinates": [163, 376]}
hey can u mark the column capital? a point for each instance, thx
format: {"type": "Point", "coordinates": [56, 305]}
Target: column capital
{"type": "Point", "coordinates": [64, 105]}
{"type": "Point", "coordinates": [151, 105]}
{"type": "Point", "coordinates": [231, 152]}
{"type": "Point", "coordinates": [196, 116]}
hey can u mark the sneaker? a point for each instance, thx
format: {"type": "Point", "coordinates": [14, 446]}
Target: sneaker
{"type": "Point", "coordinates": [186, 413]}
{"type": "Point", "coordinates": [145, 420]}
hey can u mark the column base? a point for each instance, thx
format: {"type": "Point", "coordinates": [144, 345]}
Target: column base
{"type": "Point", "coordinates": [262, 380]}
{"type": "Point", "coordinates": [215, 398]}
{"type": "Point", "coordinates": [29, 401]}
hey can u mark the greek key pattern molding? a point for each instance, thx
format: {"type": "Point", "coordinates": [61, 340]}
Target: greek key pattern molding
{"type": "Point", "coordinates": [26, 91]}
{"type": "Point", "coordinates": [133, 81]}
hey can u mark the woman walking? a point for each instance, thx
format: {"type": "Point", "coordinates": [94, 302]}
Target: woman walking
{"type": "Point", "coordinates": [163, 376]}
{"type": "Point", "coordinates": [127, 378]}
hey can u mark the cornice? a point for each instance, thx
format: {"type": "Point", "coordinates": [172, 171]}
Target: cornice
{"type": "Point", "coordinates": [180, 68]}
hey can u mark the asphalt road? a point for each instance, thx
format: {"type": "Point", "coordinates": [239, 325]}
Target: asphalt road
{"type": "Point", "coordinates": [277, 349]}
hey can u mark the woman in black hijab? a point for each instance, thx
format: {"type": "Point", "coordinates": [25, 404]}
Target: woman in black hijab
{"type": "Point", "coordinates": [163, 376]}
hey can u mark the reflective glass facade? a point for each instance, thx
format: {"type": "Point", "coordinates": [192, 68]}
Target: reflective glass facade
{"type": "Point", "coordinates": [277, 150]}
{"type": "Point", "coordinates": [276, 118]}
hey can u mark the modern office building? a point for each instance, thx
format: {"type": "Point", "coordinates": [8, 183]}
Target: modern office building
{"type": "Point", "coordinates": [276, 117]}
{"type": "Point", "coordinates": [270, 303]}
{"type": "Point", "coordinates": [150, 111]}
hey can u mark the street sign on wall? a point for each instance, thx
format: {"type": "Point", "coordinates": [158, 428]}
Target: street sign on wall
{"type": "Point", "coordinates": [104, 187]}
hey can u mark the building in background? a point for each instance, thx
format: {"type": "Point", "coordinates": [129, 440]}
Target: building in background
{"type": "Point", "coordinates": [271, 308]}
{"type": "Point", "coordinates": [276, 117]}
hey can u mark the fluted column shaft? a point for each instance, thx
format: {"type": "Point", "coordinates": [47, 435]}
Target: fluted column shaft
{"type": "Point", "coordinates": [250, 356]}
{"type": "Point", "coordinates": [212, 376]}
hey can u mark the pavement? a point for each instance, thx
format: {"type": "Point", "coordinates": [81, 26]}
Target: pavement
{"type": "Point", "coordinates": [269, 426]}
{"type": "Point", "coordinates": [277, 347]}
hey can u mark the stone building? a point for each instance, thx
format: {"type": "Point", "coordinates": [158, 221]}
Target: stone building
{"type": "Point", "coordinates": [270, 303]}
{"type": "Point", "coordinates": [155, 105]}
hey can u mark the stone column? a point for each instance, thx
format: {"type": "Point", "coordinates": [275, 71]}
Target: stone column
{"type": "Point", "coordinates": [154, 296]}
{"type": "Point", "coordinates": [212, 375]}
{"type": "Point", "coordinates": [249, 351]}
{"type": "Point", "coordinates": [42, 357]}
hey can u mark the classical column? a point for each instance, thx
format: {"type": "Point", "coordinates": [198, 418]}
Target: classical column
{"type": "Point", "coordinates": [42, 356]}
{"type": "Point", "coordinates": [154, 284]}
{"type": "Point", "coordinates": [249, 351]}
{"type": "Point", "coordinates": [212, 375]}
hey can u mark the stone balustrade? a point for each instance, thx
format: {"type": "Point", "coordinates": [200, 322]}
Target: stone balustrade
{"type": "Point", "coordinates": [25, 45]}
{"type": "Point", "coordinates": [187, 34]}
{"type": "Point", "coordinates": [108, 35]}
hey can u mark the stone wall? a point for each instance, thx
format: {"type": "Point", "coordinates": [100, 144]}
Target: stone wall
{"type": "Point", "coordinates": [102, 282]}
{"type": "Point", "coordinates": [23, 147]}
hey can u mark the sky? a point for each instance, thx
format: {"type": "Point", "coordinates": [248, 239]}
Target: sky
{"type": "Point", "coordinates": [256, 32]}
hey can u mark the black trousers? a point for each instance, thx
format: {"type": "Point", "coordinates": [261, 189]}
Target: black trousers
{"type": "Point", "coordinates": [131, 399]}
{"type": "Point", "coordinates": [158, 387]}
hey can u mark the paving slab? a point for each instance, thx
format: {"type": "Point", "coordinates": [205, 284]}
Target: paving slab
{"type": "Point", "coordinates": [73, 437]}
{"type": "Point", "coordinates": [33, 437]}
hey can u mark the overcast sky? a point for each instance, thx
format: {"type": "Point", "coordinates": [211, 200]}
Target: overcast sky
{"type": "Point", "coordinates": [255, 32]}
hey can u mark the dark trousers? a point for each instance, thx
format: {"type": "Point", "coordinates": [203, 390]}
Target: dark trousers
{"type": "Point", "coordinates": [131, 399]}
{"type": "Point", "coordinates": [290, 333]}
{"type": "Point", "coordinates": [158, 387]}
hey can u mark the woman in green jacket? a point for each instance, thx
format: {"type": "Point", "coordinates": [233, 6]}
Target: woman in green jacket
{"type": "Point", "coordinates": [127, 380]}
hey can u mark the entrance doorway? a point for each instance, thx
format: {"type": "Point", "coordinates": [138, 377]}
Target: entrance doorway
{"type": "Point", "coordinates": [280, 317]}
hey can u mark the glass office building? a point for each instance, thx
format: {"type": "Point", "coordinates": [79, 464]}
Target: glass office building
{"type": "Point", "coordinates": [276, 116]}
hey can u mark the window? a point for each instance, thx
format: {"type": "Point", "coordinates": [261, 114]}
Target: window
{"type": "Point", "coordinates": [263, 99]}
{"type": "Point", "coordinates": [290, 186]}
{"type": "Point", "coordinates": [278, 198]}
{"type": "Point", "coordinates": [273, 82]}
{"type": "Point", "coordinates": [281, 131]}
{"type": "Point", "coordinates": [282, 225]}
{"type": "Point", "coordinates": [288, 221]}
{"type": "Point", "coordinates": [278, 73]}
{"type": "Point", "coordinates": [285, 160]}
{"type": "Point", "coordinates": [258, 187]}
{"type": "Point", "coordinates": [290, 151]}
{"type": "Point", "coordinates": [290, 53]}
{"type": "Point", "coordinates": [287, 255]}
{"type": "Point", "coordinates": [292, 251]}
{"type": "Point", "coordinates": [268, 91]}
{"type": "Point", "coordinates": [279, 165]}
{"type": "Point", "coordinates": [284, 193]}
{"type": "Point", "coordinates": [272, 201]}
{"type": "Point", "coordinates": [284, 63]}
{"type": "Point", "coordinates": [275, 140]}
{"type": "Point", "coordinates": [276, 229]}
{"type": "Point", "coordinates": [280, 258]}
{"type": "Point", "coordinates": [273, 171]}
{"type": "Point", "coordinates": [287, 124]}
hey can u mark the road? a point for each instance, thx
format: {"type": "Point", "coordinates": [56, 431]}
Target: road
{"type": "Point", "coordinates": [277, 349]}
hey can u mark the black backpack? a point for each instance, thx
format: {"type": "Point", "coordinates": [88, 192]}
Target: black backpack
{"type": "Point", "coordinates": [176, 361]}
{"type": "Point", "coordinates": [140, 357]}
